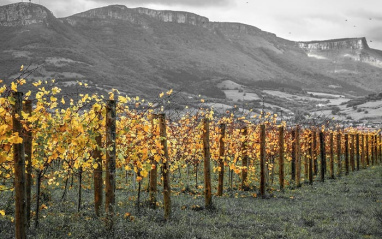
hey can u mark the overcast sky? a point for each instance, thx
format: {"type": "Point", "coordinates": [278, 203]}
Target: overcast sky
{"type": "Point", "coordinates": [299, 20]}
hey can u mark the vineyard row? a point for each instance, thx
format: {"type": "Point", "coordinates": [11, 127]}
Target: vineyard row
{"type": "Point", "coordinates": [104, 137]}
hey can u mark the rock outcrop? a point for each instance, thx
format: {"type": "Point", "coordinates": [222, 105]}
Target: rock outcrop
{"type": "Point", "coordinates": [141, 16]}
{"type": "Point", "coordinates": [337, 44]}
{"type": "Point", "coordinates": [22, 14]}
{"type": "Point", "coordinates": [355, 49]}
{"type": "Point", "coordinates": [174, 16]}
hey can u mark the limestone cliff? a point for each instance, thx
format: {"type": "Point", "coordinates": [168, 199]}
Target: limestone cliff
{"type": "Point", "coordinates": [355, 49]}
{"type": "Point", "coordinates": [22, 14]}
{"type": "Point", "coordinates": [337, 44]}
{"type": "Point", "coordinates": [174, 16]}
{"type": "Point", "coordinates": [142, 17]}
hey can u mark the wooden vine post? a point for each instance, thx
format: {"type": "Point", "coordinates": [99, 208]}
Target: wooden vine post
{"type": "Point", "coordinates": [165, 167]}
{"type": "Point", "coordinates": [281, 157]}
{"type": "Point", "coordinates": [346, 154]}
{"type": "Point", "coordinates": [310, 174]}
{"type": "Point", "coordinates": [27, 137]}
{"type": "Point", "coordinates": [358, 151]}
{"type": "Point", "coordinates": [221, 159]}
{"type": "Point", "coordinates": [306, 160]}
{"type": "Point", "coordinates": [375, 148]}
{"type": "Point", "coordinates": [315, 162]}
{"type": "Point", "coordinates": [153, 171]}
{"type": "Point", "coordinates": [339, 164]}
{"type": "Point", "coordinates": [298, 158]}
{"type": "Point", "coordinates": [367, 149]}
{"type": "Point", "coordinates": [363, 151]}
{"type": "Point", "coordinates": [380, 148]}
{"type": "Point", "coordinates": [352, 144]}
{"type": "Point", "coordinates": [19, 169]}
{"type": "Point", "coordinates": [262, 160]}
{"type": "Point", "coordinates": [207, 165]}
{"type": "Point", "coordinates": [371, 142]}
{"type": "Point", "coordinates": [244, 171]}
{"type": "Point", "coordinates": [323, 155]}
{"type": "Point", "coordinates": [80, 170]}
{"type": "Point", "coordinates": [294, 155]}
{"type": "Point", "coordinates": [110, 161]}
{"type": "Point", "coordinates": [331, 166]}
{"type": "Point", "coordinates": [372, 150]}
{"type": "Point", "coordinates": [97, 174]}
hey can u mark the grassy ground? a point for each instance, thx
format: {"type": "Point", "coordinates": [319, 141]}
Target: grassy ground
{"type": "Point", "coordinates": [348, 207]}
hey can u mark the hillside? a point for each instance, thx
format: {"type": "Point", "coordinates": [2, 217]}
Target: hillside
{"type": "Point", "coordinates": [143, 52]}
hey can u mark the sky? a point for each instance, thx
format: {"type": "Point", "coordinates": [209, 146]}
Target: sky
{"type": "Point", "coordinates": [298, 20]}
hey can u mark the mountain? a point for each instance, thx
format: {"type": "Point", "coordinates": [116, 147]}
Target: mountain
{"type": "Point", "coordinates": [143, 52]}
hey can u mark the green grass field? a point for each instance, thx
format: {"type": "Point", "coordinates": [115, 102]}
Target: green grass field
{"type": "Point", "coordinates": [347, 207]}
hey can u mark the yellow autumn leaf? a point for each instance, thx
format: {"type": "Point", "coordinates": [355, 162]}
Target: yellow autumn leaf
{"type": "Point", "coordinates": [161, 95]}
{"type": "Point", "coordinates": [2, 212]}
{"type": "Point", "coordinates": [111, 96]}
{"type": "Point", "coordinates": [144, 173]}
{"type": "Point", "coordinates": [36, 84]}
{"type": "Point", "coordinates": [122, 99]}
{"type": "Point", "coordinates": [169, 92]}
{"type": "Point", "coordinates": [22, 68]}
{"type": "Point", "coordinates": [14, 86]}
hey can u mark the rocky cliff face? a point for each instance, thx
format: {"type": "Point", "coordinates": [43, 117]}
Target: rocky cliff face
{"type": "Point", "coordinates": [355, 49]}
{"type": "Point", "coordinates": [172, 16]}
{"type": "Point", "coordinates": [111, 12]}
{"type": "Point", "coordinates": [120, 12]}
{"type": "Point", "coordinates": [22, 14]}
{"type": "Point", "coordinates": [139, 16]}
{"type": "Point", "coordinates": [337, 44]}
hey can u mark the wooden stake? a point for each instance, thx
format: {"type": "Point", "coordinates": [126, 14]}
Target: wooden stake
{"type": "Point", "coordinates": [281, 157]}
{"type": "Point", "coordinates": [367, 149]}
{"type": "Point", "coordinates": [323, 155]}
{"type": "Point", "coordinates": [311, 158]}
{"type": "Point", "coordinates": [262, 160]}
{"type": "Point", "coordinates": [331, 155]}
{"type": "Point", "coordinates": [154, 171]}
{"type": "Point", "coordinates": [298, 157]}
{"type": "Point", "coordinates": [357, 148]}
{"type": "Point", "coordinates": [339, 164]}
{"type": "Point", "coordinates": [363, 160]}
{"type": "Point", "coordinates": [244, 171]}
{"type": "Point", "coordinates": [221, 159]}
{"type": "Point", "coordinates": [306, 162]}
{"type": "Point", "coordinates": [380, 148]}
{"type": "Point", "coordinates": [352, 144]}
{"type": "Point", "coordinates": [19, 169]}
{"type": "Point", "coordinates": [110, 161]}
{"type": "Point", "coordinates": [346, 154]}
{"type": "Point", "coordinates": [294, 155]}
{"type": "Point", "coordinates": [27, 108]}
{"type": "Point", "coordinates": [165, 168]}
{"type": "Point", "coordinates": [315, 164]}
{"type": "Point", "coordinates": [97, 175]}
{"type": "Point", "coordinates": [79, 189]}
{"type": "Point", "coordinates": [207, 165]}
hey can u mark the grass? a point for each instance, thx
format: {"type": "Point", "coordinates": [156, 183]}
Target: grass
{"type": "Point", "coordinates": [347, 207]}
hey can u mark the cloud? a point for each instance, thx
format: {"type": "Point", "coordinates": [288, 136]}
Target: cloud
{"type": "Point", "coordinates": [193, 3]}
